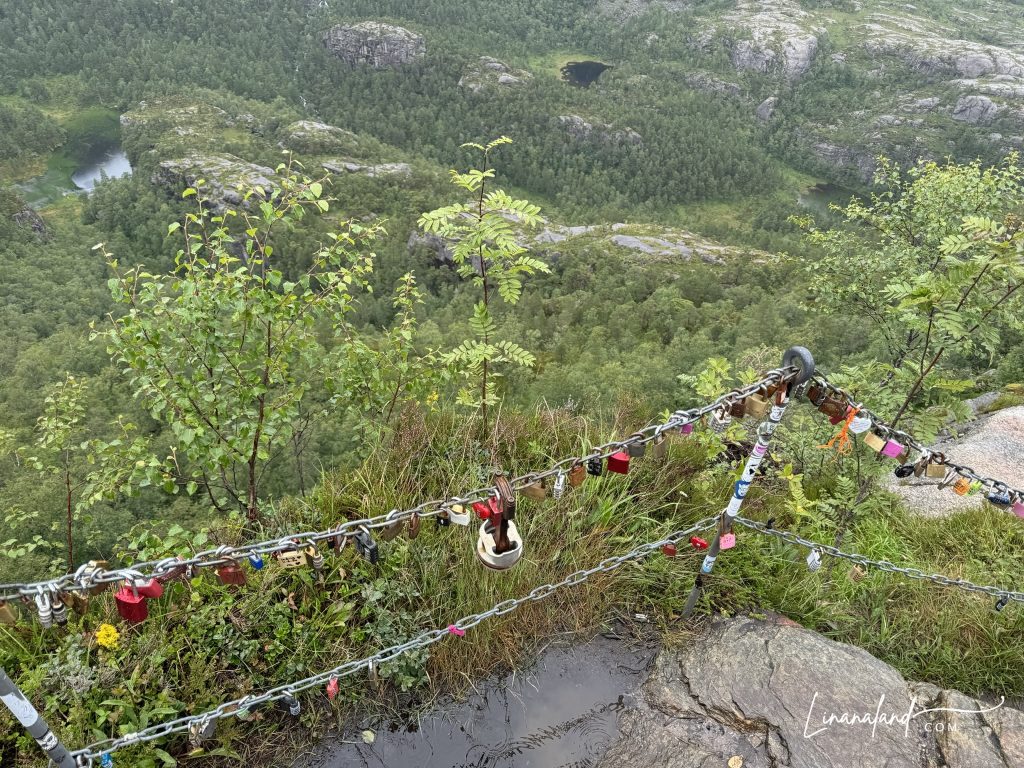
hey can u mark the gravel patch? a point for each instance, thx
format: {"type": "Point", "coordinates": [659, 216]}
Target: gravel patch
{"type": "Point", "coordinates": [993, 446]}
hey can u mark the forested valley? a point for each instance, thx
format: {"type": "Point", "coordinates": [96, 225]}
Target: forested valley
{"type": "Point", "coordinates": [738, 180]}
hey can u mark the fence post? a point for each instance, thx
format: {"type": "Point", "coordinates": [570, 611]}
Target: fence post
{"type": "Point", "coordinates": [794, 356]}
{"type": "Point", "coordinates": [37, 728]}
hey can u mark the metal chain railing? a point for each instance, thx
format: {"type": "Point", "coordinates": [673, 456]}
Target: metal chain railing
{"type": "Point", "coordinates": [881, 565]}
{"type": "Point", "coordinates": [905, 438]}
{"type": "Point", "coordinates": [196, 723]}
{"type": "Point", "coordinates": [87, 577]}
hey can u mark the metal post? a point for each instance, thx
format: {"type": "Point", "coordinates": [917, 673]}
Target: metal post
{"type": "Point", "coordinates": [37, 728]}
{"type": "Point", "coordinates": [793, 356]}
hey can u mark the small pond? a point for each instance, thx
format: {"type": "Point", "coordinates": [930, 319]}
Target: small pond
{"type": "Point", "coordinates": [82, 176]}
{"type": "Point", "coordinates": [563, 711]}
{"type": "Point", "coordinates": [818, 198]}
{"type": "Point", "coordinates": [583, 73]}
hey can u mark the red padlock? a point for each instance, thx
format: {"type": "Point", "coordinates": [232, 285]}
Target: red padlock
{"type": "Point", "coordinates": [231, 575]}
{"type": "Point", "coordinates": [668, 550]}
{"type": "Point", "coordinates": [131, 605]}
{"type": "Point", "coordinates": [483, 511]}
{"type": "Point", "coordinates": [619, 462]}
{"type": "Point", "coordinates": [698, 542]}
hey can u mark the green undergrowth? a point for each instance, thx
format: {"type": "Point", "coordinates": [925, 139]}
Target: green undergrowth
{"type": "Point", "coordinates": [205, 643]}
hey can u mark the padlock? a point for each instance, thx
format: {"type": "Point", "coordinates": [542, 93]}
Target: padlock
{"type": "Point", "coordinates": [860, 425]}
{"type": "Point", "coordinates": [332, 688]}
{"type": "Point", "coordinates": [894, 450]}
{"type": "Point", "coordinates": [856, 573]}
{"type": "Point", "coordinates": [816, 394]}
{"type": "Point", "coordinates": [835, 410]}
{"type": "Point", "coordinates": [935, 470]}
{"type": "Point", "coordinates": [756, 406]}
{"type": "Point", "coordinates": [76, 601]}
{"type": "Point", "coordinates": [668, 550]}
{"type": "Point", "coordinates": [999, 498]}
{"type": "Point", "coordinates": [44, 609]}
{"type": "Point", "coordinates": [231, 574]}
{"type": "Point", "coordinates": [292, 558]}
{"type": "Point", "coordinates": [482, 509]}
{"type": "Point", "coordinates": [442, 518]}
{"type": "Point", "coordinates": [559, 488]}
{"type": "Point", "coordinates": [200, 732]}
{"type": "Point", "coordinates": [1018, 508]}
{"type": "Point", "coordinates": [718, 421]}
{"type": "Point", "coordinates": [537, 491]}
{"type": "Point", "coordinates": [1001, 603]}
{"type": "Point", "coordinates": [737, 409]}
{"type": "Point", "coordinates": [595, 467]}
{"type": "Point", "coordinates": [698, 543]}
{"type": "Point", "coordinates": [315, 560]}
{"type": "Point", "coordinates": [8, 614]}
{"type": "Point", "coordinates": [636, 449]}
{"type": "Point", "coordinates": [686, 428]}
{"type": "Point", "coordinates": [874, 441]}
{"type": "Point", "coordinates": [577, 475]}
{"type": "Point", "coordinates": [727, 541]}
{"type": "Point", "coordinates": [290, 704]}
{"type": "Point", "coordinates": [391, 531]}
{"type": "Point", "coordinates": [371, 671]}
{"type": "Point", "coordinates": [413, 526]}
{"type": "Point", "coordinates": [365, 545]}
{"type": "Point", "coordinates": [92, 567]}
{"type": "Point", "coordinates": [130, 604]}
{"type": "Point", "coordinates": [904, 470]}
{"type": "Point", "coordinates": [486, 544]}
{"type": "Point", "coordinates": [814, 560]}
{"type": "Point", "coordinates": [256, 561]}
{"type": "Point", "coordinates": [659, 448]}
{"type": "Point", "coordinates": [619, 463]}
{"type": "Point", "coordinates": [60, 611]}
{"type": "Point", "coordinates": [457, 514]}
{"type": "Point", "coordinates": [962, 486]}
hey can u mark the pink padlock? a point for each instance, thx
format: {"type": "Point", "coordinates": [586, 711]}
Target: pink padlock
{"type": "Point", "coordinates": [892, 449]}
{"type": "Point", "coordinates": [686, 428]}
{"type": "Point", "coordinates": [1018, 508]}
{"type": "Point", "coordinates": [727, 541]}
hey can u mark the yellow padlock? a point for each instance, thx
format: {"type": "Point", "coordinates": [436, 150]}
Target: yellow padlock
{"type": "Point", "coordinates": [292, 558]}
{"type": "Point", "coordinates": [8, 614]}
{"type": "Point", "coordinates": [757, 406]}
{"type": "Point", "coordinates": [536, 491]}
{"type": "Point", "coordinates": [874, 442]}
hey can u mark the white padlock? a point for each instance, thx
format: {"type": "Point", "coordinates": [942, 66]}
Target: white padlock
{"type": "Point", "coordinates": [485, 548]}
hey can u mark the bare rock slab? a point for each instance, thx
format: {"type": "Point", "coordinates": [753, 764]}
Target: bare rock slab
{"type": "Point", "coordinates": [375, 44]}
{"type": "Point", "coordinates": [768, 695]}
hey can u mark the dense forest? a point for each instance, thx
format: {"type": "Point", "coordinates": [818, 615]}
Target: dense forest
{"type": "Point", "coordinates": [667, 232]}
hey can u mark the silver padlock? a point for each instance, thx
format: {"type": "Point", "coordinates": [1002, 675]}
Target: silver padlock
{"type": "Point", "coordinates": [559, 488]}
{"type": "Point", "coordinates": [719, 420]}
{"type": "Point", "coordinates": [44, 608]}
{"type": "Point", "coordinates": [814, 560]}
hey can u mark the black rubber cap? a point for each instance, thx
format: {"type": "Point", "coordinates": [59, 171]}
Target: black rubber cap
{"type": "Point", "coordinates": [802, 359]}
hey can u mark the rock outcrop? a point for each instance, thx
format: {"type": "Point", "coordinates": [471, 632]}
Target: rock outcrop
{"type": "Point", "coordinates": [762, 694]}
{"type": "Point", "coordinates": [581, 130]}
{"type": "Point", "coordinates": [28, 218]}
{"type": "Point", "coordinates": [766, 109]}
{"type": "Point", "coordinates": [312, 136]}
{"type": "Point", "coordinates": [702, 81]}
{"type": "Point", "coordinates": [372, 171]}
{"type": "Point", "coordinates": [375, 44]}
{"type": "Point", "coordinates": [975, 109]}
{"type": "Point", "coordinates": [992, 446]}
{"type": "Point", "coordinates": [491, 73]}
{"type": "Point", "coordinates": [860, 162]}
{"type": "Point", "coordinates": [227, 177]}
{"type": "Point", "coordinates": [782, 37]}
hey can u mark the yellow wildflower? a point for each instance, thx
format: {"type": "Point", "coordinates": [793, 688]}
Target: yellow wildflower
{"type": "Point", "coordinates": [107, 636]}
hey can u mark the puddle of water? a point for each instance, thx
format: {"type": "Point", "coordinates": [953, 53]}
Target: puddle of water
{"type": "Point", "coordinates": [561, 713]}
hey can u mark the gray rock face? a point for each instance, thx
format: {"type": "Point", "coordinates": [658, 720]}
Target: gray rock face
{"type": "Point", "coordinates": [489, 73]}
{"type": "Point", "coordinates": [312, 136]}
{"type": "Point", "coordinates": [975, 110]}
{"type": "Point", "coordinates": [770, 695]}
{"type": "Point", "coordinates": [766, 109]}
{"type": "Point", "coordinates": [227, 177]}
{"type": "Point", "coordinates": [375, 44]}
{"type": "Point", "coordinates": [702, 81]}
{"type": "Point", "coordinates": [440, 247]}
{"type": "Point", "coordinates": [581, 130]}
{"type": "Point", "coordinates": [847, 158]}
{"type": "Point", "coordinates": [371, 171]}
{"type": "Point", "coordinates": [28, 218]}
{"type": "Point", "coordinates": [774, 35]}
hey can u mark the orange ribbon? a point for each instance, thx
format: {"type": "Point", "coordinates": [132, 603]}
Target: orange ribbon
{"type": "Point", "coordinates": [841, 440]}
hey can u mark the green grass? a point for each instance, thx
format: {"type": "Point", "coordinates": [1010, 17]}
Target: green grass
{"type": "Point", "coordinates": [205, 644]}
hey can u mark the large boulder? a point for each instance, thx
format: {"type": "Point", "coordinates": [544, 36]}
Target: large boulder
{"type": "Point", "coordinates": [227, 178]}
{"type": "Point", "coordinates": [488, 73]}
{"type": "Point", "coordinates": [975, 109]}
{"type": "Point", "coordinates": [605, 133]}
{"type": "Point", "coordinates": [375, 44]}
{"type": "Point", "coordinates": [762, 694]}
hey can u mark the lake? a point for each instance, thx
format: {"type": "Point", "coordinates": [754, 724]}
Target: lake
{"type": "Point", "coordinates": [818, 198]}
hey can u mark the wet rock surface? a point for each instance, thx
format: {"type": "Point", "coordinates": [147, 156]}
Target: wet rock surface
{"type": "Point", "coordinates": [375, 44]}
{"type": "Point", "coordinates": [761, 694]}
